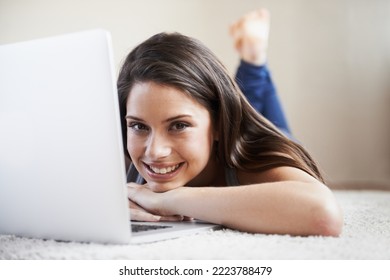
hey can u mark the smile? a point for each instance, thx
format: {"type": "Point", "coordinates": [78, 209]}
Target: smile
{"type": "Point", "coordinates": [164, 170]}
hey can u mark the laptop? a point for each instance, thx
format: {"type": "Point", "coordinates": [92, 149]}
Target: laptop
{"type": "Point", "coordinates": [62, 166]}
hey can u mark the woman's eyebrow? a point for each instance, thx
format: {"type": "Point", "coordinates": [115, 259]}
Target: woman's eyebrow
{"type": "Point", "coordinates": [133, 117]}
{"type": "Point", "coordinates": [178, 117]}
{"type": "Point", "coordinates": [167, 120]}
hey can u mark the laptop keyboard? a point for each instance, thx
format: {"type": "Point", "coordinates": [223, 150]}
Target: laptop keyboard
{"type": "Point", "coordinates": [139, 228]}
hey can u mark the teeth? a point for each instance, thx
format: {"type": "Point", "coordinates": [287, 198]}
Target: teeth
{"type": "Point", "coordinates": [164, 170]}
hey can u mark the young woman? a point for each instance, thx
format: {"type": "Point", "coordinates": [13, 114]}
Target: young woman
{"type": "Point", "coordinates": [198, 148]}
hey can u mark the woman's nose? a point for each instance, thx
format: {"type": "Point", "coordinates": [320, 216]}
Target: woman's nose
{"type": "Point", "coordinates": [157, 146]}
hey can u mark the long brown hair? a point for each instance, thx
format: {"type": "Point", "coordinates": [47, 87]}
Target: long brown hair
{"type": "Point", "coordinates": [247, 140]}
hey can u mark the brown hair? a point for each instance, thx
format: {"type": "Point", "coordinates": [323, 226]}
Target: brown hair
{"type": "Point", "coordinates": [247, 141]}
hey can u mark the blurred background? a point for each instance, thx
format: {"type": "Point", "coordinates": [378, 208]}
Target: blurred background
{"type": "Point", "coordinates": [330, 61]}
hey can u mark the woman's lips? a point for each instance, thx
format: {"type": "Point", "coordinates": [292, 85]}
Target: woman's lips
{"type": "Point", "coordinates": [163, 171]}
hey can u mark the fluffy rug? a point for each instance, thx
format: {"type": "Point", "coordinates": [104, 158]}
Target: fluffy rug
{"type": "Point", "coordinates": [366, 235]}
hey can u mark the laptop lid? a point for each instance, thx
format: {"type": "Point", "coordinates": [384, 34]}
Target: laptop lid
{"type": "Point", "coordinates": [62, 172]}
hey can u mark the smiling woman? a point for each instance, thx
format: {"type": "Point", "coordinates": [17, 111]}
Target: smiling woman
{"type": "Point", "coordinates": [187, 126]}
{"type": "Point", "coordinates": [162, 126]}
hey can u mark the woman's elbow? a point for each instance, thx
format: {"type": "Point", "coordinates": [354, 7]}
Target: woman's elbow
{"type": "Point", "coordinates": [328, 218]}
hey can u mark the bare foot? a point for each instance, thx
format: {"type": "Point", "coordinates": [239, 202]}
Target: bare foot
{"type": "Point", "coordinates": [250, 35]}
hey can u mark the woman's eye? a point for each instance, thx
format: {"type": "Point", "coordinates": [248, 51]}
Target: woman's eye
{"type": "Point", "coordinates": [179, 126]}
{"type": "Point", "coordinates": [138, 127]}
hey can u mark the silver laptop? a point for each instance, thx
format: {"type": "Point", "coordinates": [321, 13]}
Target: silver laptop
{"type": "Point", "coordinates": [62, 172]}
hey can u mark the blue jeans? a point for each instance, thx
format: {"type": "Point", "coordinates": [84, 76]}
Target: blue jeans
{"type": "Point", "coordinates": [256, 83]}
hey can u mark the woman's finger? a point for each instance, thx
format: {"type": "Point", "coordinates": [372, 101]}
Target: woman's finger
{"type": "Point", "coordinates": [142, 216]}
{"type": "Point", "coordinates": [137, 213]}
{"type": "Point", "coordinates": [176, 218]}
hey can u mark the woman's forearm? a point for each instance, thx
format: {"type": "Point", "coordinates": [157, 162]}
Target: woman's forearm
{"type": "Point", "coordinates": [288, 207]}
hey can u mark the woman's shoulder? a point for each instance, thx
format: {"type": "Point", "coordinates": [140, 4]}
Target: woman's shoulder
{"type": "Point", "coordinates": [276, 174]}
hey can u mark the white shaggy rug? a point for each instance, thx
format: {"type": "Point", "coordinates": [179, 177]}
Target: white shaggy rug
{"type": "Point", "coordinates": [366, 236]}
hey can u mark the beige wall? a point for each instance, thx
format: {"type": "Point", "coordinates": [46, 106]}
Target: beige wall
{"type": "Point", "coordinates": [330, 60]}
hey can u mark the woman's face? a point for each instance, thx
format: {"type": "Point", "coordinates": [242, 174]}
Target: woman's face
{"type": "Point", "coordinates": [170, 137]}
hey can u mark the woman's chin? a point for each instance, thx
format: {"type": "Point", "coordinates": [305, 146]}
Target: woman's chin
{"type": "Point", "coordinates": [161, 187]}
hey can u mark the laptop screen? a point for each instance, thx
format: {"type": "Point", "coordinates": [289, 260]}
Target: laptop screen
{"type": "Point", "coordinates": [62, 171]}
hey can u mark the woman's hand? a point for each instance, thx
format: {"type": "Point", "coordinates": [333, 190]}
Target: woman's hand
{"type": "Point", "coordinates": [139, 214]}
{"type": "Point", "coordinates": [146, 205]}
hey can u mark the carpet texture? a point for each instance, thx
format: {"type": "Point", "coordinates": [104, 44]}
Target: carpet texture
{"type": "Point", "coordinates": [366, 236]}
